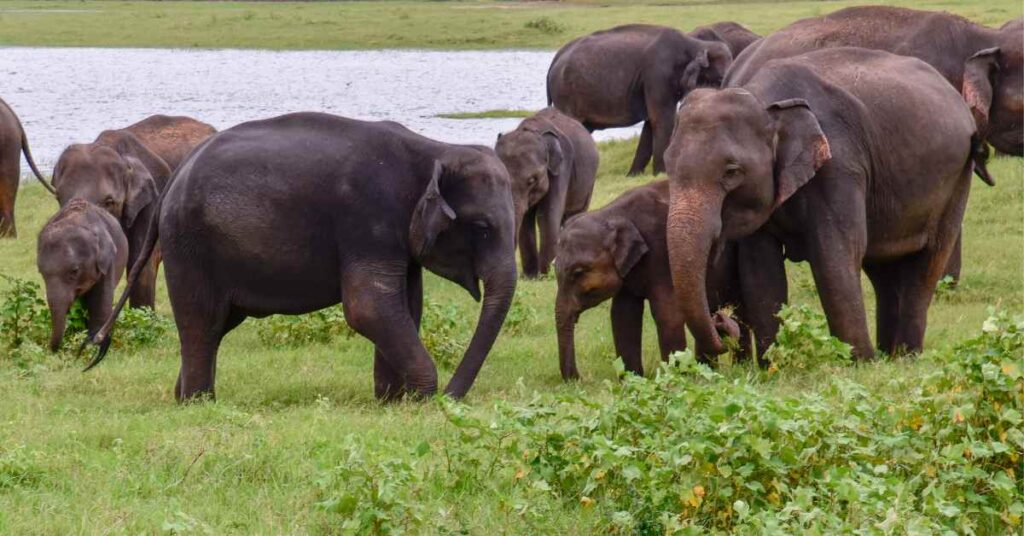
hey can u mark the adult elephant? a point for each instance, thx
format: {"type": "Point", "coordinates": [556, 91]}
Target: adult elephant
{"type": "Point", "coordinates": [633, 73]}
{"type": "Point", "coordinates": [736, 36]}
{"type": "Point", "coordinates": [124, 171]}
{"type": "Point", "coordinates": [296, 213]}
{"type": "Point", "coordinates": [836, 157]}
{"type": "Point", "coordinates": [985, 64]}
{"type": "Point", "coordinates": [13, 143]}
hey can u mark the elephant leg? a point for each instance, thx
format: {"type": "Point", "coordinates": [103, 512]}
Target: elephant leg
{"type": "Point", "coordinates": [670, 322]}
{"type": "Point", "coordinates": [549, 220]}
{"type": "Point", "coordinates": [953, 266]}
{"type": "Point", "coordinates": [9, 178]}
{"type": "Point", "coordinates": [376, 306]}
{"type": "Point", "coordinates": [663, 121]}
{"type": "Point", "coordinates": [99, 302]}
{"type": "Point", "coordinates": [144, 292]}
{"type": "Point", "coordinates": [836, 257]}
{"type": "Point", "coordinates": [763, 288]}
{"type": "Point", "coordinates": [627, 330]}
{"type": "Point", "coordinates": [528, 244]}
{"type": "Point", "coordinates": [203, 316]}
{"type": "Point", "coordinates": [387, 382]}
{"type": "Point", "coordinates": [644, 150]}
{"type": "Point", "coordinates": [885, 280]}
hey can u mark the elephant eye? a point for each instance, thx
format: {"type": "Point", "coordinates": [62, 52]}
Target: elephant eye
{"type": "Point", "coordinates": [731, 170]}
{"type": "Point", "coordinates": [109, 201]}
{"type": "Point", "coordinates": [578, 272]}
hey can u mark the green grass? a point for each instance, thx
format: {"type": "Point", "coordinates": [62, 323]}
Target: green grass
{"type": "Point", "coordinates": [110, 452]}
{"type": "Point", "coordinates": [488, 114]}
{"type": "Point", "coordinates": [436, 25]}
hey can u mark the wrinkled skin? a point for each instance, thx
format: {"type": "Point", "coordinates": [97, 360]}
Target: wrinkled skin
{"type": "Point", "coordinates": [633, 73]}
{"type": "Point", "coordinates": [296, 213]}
{"type": "Point", "coordinates": [124, 171]}
{"type": "Point", "coordinates": [552, 162]}
{"type": "Point", "coordinates": [835, 157]}
{"type": "Point", "coordinates": [81, 253]}
{"type": "Point", "coordinates": [618, 252]}
{"type": "Point", "coordinates": [13, 143]}
{"type": "Point", "coordinates": [734, 35]}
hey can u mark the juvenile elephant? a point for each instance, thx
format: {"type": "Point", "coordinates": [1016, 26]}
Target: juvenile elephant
{"type": "Point", "coordinates": [734, 35]}
{"type": "Point", "coordinates": [123, 172]}
{"type": "Point", "coordinates": [81, 253]}
{"type": "Point", "coordinates": [633, 73]}
{"type": "Point", "coordinates": [619, 252]}
{"type": "Point", "coordinates": [296, 213]}
{"type": "Point", "coordinates": [13, 143]}
{"type": "Point", "coordinates": [836, 157]}
{"type": "Point", "coordinates": [552, 162]}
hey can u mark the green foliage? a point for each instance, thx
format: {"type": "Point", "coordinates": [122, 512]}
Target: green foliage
{"type": "Point", "coordinates": [488, 114]}
{"type": "Point", "coordinates": [139, 328]}
{"type": "Point", "coordinates": [546, 25]}
{"type": "Point", "coordinates": [18, 469]}
{"type": "Point", "coordinates": [439, 332]}
{"type": "Point", "coordinates": [521, 317]}
{"type": "Point", "coordinates": [292, 331]}
{"type": "Point", "coordinates": [804, 341]}
{"type": "Point", "coordinates": [24, 318]}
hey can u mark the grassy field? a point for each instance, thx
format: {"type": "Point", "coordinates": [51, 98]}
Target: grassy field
{"type": "Point", "coordinates": [439, 25]}
{"type": "Point", "coordinates": [110, 452]}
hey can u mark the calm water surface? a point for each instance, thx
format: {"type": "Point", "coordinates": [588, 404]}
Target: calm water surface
{"type": "Point", "coordinates": [69, 95]}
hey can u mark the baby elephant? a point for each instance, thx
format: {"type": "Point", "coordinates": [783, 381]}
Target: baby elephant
{"type": "Point", "coordinates": [619, 252]}
{"type": "Point", "coordinates": [81, 254]}
{"type": "Point", "coordinates": [552, 161]}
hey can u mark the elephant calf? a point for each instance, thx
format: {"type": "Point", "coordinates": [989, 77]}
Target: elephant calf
{"type": "Point", "coordinates": [81, 254]}
{"type": "Point", "coordinates": [619, 252]}
{"type": "Point", "coordinates": [552, 161]}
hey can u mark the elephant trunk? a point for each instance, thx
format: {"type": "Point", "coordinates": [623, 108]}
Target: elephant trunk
{"type": "Point", "coordinates": [694, 225]}
{"type": "Point", "coordinates": [59, 304]}
{"type": "Point", "coordinates": [566, 315]}
{"type": "Point", "coordinates": [499, 287]}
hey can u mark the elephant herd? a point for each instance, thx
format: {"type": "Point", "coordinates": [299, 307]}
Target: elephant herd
{"type": "Point", "coordinates": [848, 141]}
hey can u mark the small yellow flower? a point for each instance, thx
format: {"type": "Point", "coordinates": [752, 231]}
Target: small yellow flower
{"type": "Point", "coordinates": [698, 490]}
{"type": "Point", "coordinates": [599, 475]}
{"type": "Point", "coordinates": [958, 417]}
{"type": "Point", "coordinates": [586, 502]}
{"type": "Point", "coordinates": [520, 474]}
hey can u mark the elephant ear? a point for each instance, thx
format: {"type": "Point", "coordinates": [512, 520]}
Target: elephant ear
{"type": "Point", "coordinates": [127, 144]}
{"type": "Point", "coordinates": [691, 74]}
{"type": "Point", "coordinates": [556, 153]}
{"type": "Point", "coordinates": [431, 216]}
{"type": "Point", "coordinates": [979, 71]}
{"type": "Point", "coordinates": [105, 253]}
{"type": "Point", "coordinates": [801, 148]}
{"type": "Point", "coordinates": [626, 244]}
{"type": "Point", "coordinates": [140, 190]}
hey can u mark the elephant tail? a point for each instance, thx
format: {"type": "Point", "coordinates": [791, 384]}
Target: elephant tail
{"type": "Point", "coordinates": [101, 339]}
{"type": "Point", "coordinates": [28, 154]}
{"type": "Point", "coordinates": [979, 157]}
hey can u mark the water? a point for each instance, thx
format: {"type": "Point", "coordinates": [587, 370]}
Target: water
{"type": "Point", "coordinates": [69, 95]}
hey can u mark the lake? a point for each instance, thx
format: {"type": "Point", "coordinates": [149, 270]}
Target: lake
{"type": "Point", "coordinates": [69, 95]}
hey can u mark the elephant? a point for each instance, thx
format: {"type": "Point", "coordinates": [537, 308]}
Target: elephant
{"type": "Point", "coordinates": [985, 64]}
{"type": "Point", "coordinates": [619, 252]}
{"type": "Point", "coordinates": [552, 162]}
{"type": "Point", "coordinates": [124, 171]}
{"type": "Point", "coordinates": [81, 253]}
{"type": "Point", "coordinates": [13, 142]}
{"type": "Point", "coordinates": [734, 35]}
{"type": "Point", "coordinates": [836, 157]}
{"type": "Point", "coordinates": [633, 73]}
{"type": "Point", "coordinates": [295, 213]}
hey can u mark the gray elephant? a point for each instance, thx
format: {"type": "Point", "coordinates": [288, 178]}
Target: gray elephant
{"type": "Point", "coordinates": [81, 253]}
{"type": "Point", "coordinates": [735, 36]}
{"type": "Point", "coordinates": [633, 73]}
{"type": "Point", "coordinates": [835, 157]}
{"type": "Point", "coordinates": [13, 143]}
{"type": "Point", "coordinates": [985, 64]}
{"type": "Point", "coordinates": [296, 213]}
{"type": "Point", "coordinates": [552, 162]}
{"type": "Point", "coordinates": [123, 172]}
{"type": "Point", "coordinates": [618, 252]}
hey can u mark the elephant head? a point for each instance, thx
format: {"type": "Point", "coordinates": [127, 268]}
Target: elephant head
{"type": "Point", "coordinates": [733, 160]}
{"type": "Point", "coordinates": [118, 174]}
{"type": "Point", "coordinates": [72, 258]}
{"type": "Point", "coordinates": [462, 229]}
{"type": "Point", "coordinates": [993, 87]}
{"type": "Point", "coordinates": [594, 257]}
{"type": "Point", "coordinates": [535, 159]}
{"type": "Point", "coordinates": [705, 67]}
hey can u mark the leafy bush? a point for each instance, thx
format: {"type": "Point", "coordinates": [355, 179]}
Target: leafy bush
{"type": "Point", "coordinates": [139, 328]}
{"type": "Point", "coordinates": [521, 315]}
{"type": "Point", "coordinates": [318, 327]}
{"type": "Point", "coordinates": [24, 318]}
{"type": "Point", "coordinates": [545, 25]}
{"type": "Point", "coordinates": [804, 341]}
{"type": "Point", "coordinates": [438, 331]}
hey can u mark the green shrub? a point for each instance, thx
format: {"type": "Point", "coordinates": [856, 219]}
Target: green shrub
{"type": "Point", "coordinates": [804, 341]}
{"type": "Point", "coordinates": [139, 328]}
{"type": "Point", "coordinates": [318, 327]}
{"type": "Point", "coordinates": [521, 315]}
{"type": "Point", "coordinates": [439, 333]}
{"type": "Point", "coordinates": [546, 25]}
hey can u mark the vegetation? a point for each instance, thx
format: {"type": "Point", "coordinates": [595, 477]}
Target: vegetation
{"type": "Point", "coordinates": [399, 24]}
{"type": "Point", "coordinates": [296, 443]}
{"type": "Point", "coordinates": [489, 114]}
